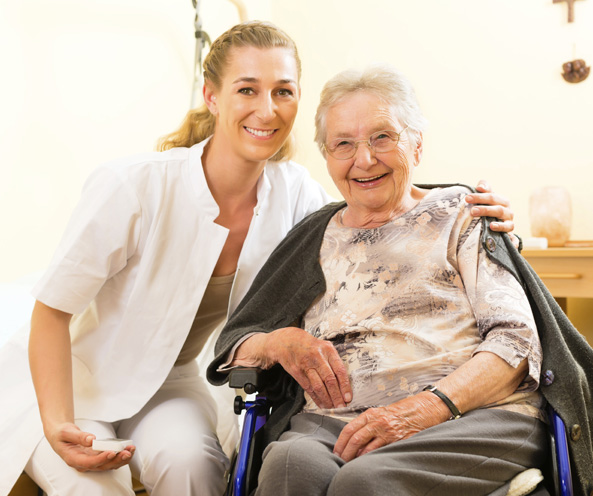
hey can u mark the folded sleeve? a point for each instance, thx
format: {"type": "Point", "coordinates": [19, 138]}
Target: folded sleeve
{"type": "Point", "coordinates": [501, 308]}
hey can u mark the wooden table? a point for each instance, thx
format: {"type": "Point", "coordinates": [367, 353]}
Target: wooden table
{"type": "Point", "coordinates": [567, 272]}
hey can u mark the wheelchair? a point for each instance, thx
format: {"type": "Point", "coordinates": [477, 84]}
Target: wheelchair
{"type": "Point", "coordinates": [247, 460]}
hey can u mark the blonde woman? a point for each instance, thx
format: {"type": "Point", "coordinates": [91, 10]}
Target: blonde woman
{"type": "Point", "coordinates": [161, 247]}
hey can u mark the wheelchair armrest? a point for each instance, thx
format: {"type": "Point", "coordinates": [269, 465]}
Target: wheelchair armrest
{"type": "Point", "coordinates": [248, 379]}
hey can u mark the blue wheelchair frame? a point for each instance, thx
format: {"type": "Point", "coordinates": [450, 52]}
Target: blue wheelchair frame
{"type": "Point", "coordinates": [246, 464]}
{"type": "Point", "coordinates": [560, 456]}
{"type": "Point", "coordinates": [256, 414]}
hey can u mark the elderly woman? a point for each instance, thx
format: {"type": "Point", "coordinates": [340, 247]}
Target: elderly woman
{"type": "Point", "coordinates": [392, 318]}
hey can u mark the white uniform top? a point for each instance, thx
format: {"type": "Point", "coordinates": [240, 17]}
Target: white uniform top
{"type": "Point", "coordinates": [132, 267]}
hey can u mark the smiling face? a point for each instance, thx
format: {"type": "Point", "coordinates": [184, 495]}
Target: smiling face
{"type": "Point", "coordinates": [376, 186]}
{"type": "Point", "coordinates": [256, 103]}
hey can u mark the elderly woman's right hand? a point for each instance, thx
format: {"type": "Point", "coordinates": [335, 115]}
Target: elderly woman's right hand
{"type": "Point", "coordinates": [75, 448]}
{"type": "Point", "coordinates": [314, 363]}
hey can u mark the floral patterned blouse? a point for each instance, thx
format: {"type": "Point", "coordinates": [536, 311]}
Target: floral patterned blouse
{"type": "Point", "coordinates": [409, 302]}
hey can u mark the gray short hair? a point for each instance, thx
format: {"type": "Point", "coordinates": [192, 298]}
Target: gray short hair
{"type": "Point", "coordinates": [382, 80]}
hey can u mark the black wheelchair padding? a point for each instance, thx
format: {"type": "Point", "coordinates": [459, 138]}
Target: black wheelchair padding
{"type": "Point", "coordinates": [248, 379]}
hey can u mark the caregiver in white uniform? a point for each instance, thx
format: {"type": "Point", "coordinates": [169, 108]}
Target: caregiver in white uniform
{"type": "Point", "coordinates": [159, 248]}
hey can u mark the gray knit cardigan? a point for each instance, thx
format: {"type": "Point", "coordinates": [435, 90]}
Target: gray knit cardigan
{"type": "Point", "coordinates": [292, 278]}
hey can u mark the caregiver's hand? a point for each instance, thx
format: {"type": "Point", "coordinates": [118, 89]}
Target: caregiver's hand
{"type": "Point", "coordinates": [377, 427]}
{"type": "Point", "coordinates": [74, 447]}
{"type": "Point", "coordinates": [492, 205]}
{"type": "Point", "coordinates": [312, 362]}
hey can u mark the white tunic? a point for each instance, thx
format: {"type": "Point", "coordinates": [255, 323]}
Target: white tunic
{"type": "Point", "coordinates": [132, 267]}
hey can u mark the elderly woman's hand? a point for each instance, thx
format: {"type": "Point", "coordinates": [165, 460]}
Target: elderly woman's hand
{"type": "Point", "coordinates": [377, 427]}
{"type": "Point", "coordinates": [314, 363]}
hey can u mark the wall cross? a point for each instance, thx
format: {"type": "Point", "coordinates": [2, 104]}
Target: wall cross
{"type": "Point", "coordinates": [570, 8]}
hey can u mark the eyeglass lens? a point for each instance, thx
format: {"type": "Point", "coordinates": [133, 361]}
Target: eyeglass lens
{"type": "Point", "coordinates": [379, 142]}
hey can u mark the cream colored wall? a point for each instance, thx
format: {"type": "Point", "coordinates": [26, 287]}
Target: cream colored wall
{"type": "Point", "coordinates": [84, 82]}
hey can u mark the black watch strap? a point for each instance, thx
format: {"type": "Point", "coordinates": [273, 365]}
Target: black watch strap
{"type": "Point", "coordinates": [454, 410]}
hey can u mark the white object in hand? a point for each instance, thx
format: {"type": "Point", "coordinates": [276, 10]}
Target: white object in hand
{"type": "Point", "coordinates": [112, 444]}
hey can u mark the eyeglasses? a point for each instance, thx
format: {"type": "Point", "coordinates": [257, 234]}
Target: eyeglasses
{"type": "Point", "coordinates": [379, 142]}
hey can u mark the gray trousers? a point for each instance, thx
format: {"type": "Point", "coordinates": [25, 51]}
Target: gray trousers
{"type": "Point", "coordinates": [474, 455]}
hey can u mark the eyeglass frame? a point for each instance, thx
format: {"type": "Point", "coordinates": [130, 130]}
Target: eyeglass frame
{"type": "Point", "coordinates": [368, 143]}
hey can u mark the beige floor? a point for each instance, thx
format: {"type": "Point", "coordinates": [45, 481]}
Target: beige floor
{"type": "Point", "coordinates": [26, 487]}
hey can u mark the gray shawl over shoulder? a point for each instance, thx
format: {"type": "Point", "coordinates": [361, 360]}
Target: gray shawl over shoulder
{"type": "Point", "coordinates": [292, 278]}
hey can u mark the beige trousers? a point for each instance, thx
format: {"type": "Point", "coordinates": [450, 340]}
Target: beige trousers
{"type": "Point", "coordinates": [177, 451]}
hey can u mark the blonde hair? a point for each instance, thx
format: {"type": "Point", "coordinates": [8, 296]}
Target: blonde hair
{"type": "Point", "coordinates": [382, 80]}
{"type": "Point", "coordinates": [199, 123]}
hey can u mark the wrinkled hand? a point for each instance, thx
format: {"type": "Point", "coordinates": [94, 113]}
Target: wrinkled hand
{"type": "Point", "coordinates": [315, 365]}
{"type": "Point", "coordinates": [74, 447]}
{"type": "Point", "coordinates": [377, 427]}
